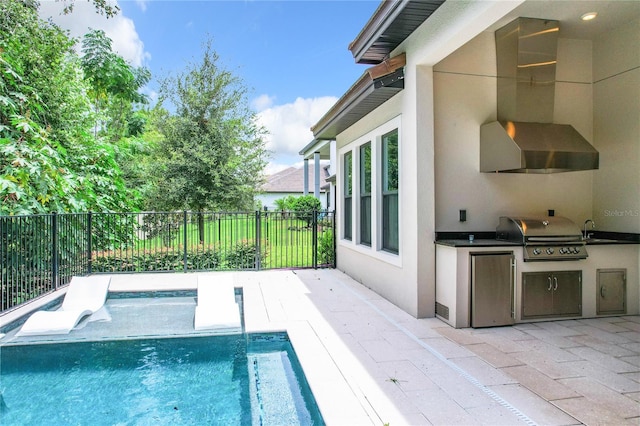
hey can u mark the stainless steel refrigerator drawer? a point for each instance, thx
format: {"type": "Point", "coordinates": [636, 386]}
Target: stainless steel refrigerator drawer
{"type": "Point", "coordinates": [492, 289]}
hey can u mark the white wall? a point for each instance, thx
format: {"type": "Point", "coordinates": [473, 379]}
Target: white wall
{"type": "Point", "coordinates": [465, 98]}
{"type": "Point", "coordinates": [616, 74]}
{"type": "Point", "coordinates": [392, 276]}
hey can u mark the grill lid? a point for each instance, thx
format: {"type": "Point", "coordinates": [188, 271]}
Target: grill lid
{"type": "Point", "coordinates": [540, 229]}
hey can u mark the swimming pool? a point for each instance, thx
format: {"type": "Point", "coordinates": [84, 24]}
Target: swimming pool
{"type": "Point", "coordinates": [234, 379]}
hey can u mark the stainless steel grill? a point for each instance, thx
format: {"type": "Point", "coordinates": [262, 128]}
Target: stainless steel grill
{"type": "Point", "coordinates": [544, 238]}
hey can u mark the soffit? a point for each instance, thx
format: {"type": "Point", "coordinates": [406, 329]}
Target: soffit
{"type": "Point", "coordinates": [377, 85]}
{"type": "Point", "coordinates": [389, 26]}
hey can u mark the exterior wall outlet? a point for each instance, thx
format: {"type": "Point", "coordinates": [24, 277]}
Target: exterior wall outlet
{"type": "Point", "coordinates": [463, 215]}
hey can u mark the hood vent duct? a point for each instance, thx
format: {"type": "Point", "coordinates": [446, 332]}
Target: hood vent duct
{"type": "Point", "coordinates": [525, 139]}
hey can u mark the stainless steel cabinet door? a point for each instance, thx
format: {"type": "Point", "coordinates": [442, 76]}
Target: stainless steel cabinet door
{"type": "Point", "coordinates": [537, 294]}
{"type": "Point", "coordinates": [567, 293]}
{"type": "Point", "coordinates": [551, 294]}
{"type": "Point", "coordinates": [492, 289]}
{"type": "Point", "coordinates": [612, 291]}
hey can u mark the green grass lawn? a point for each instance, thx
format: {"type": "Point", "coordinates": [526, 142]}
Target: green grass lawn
{"type": "Point", "coordinates": [229, 241]}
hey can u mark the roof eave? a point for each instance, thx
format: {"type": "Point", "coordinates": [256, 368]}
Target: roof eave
{"type": "Point", "coordinates": [379, 21]}
{"type": "Point", "coordinates": [378, 84]}
{"type": "Point", "coordinates": [388, 27]}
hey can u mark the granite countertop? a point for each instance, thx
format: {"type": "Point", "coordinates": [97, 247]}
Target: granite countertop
{"type": "Point", "coordinates": [487, 239]}
{"type": "Point", "coordinates": [476, 243]}
{"type": "Point", "coordinates": [602, 241]}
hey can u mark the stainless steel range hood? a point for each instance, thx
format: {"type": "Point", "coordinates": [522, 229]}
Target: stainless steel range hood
{"type": "Point", "coordinates": [525, 139]}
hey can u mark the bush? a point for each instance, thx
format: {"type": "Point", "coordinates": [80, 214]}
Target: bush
{"type": "Point", "coordinates": [304, 207]}
{"type": "Point", "coordinates": [240, 256]}
{"type": "Point", "coordinates": [326, 253]}
{"type": "Point", "coordinates": [155, 261]}
{"type": "Point", "coordinates": [286, 203]}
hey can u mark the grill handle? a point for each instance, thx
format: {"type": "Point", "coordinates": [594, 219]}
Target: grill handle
{"type": "Point", "coordinates": [554, 239]}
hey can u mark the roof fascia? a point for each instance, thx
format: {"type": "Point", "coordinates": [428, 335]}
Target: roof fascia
{"type": "Point", "coordinates": [316, 145]}
{"type": "Point", "coordinates": [364, 86]}
{"type": "Point", "coordinates": [384, 16]}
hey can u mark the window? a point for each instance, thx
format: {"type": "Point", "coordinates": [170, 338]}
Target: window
{"type": "Point", "coordinates": [365, 194]}
{"type": "Point", "coordinates": [347, 195]}
{"type": "Point", "coordinates": [370, 192]}
{"type": "Point", "coordinates": [390, 191]}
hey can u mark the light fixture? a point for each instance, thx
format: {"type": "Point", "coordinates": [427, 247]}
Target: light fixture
{"type": "Point", "coordinates": [589, 16]}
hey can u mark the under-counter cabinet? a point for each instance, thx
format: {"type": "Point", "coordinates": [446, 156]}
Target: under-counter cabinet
{"type": "Point", "coordinates": [612, 291]}
{"type": "Point", "coordinates": [551, 294]}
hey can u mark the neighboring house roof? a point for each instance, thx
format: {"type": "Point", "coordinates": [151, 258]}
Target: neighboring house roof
{"type": "Point", "coordinates": [292, 180]}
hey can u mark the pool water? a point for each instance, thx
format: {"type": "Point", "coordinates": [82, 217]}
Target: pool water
{"type": "Point", "coordinates": [225, 380]}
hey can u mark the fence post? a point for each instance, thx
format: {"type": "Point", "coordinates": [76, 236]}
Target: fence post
{"type": "Point", "coordinates": [89, 248]}
{"type": "Point", "coordinates": [258, 262]}
{"type": "Point", "coordinates": [315, 239]}
{"type": "Point", "coordinates": [335, 239]}
{"type": "Point", "coordinates": [54, 250]}
{"type": "Point", "coordinates": [184, 231]}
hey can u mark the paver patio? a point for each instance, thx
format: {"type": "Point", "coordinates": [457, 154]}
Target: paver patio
{"type": "Point", "coordinates": [368, 362]}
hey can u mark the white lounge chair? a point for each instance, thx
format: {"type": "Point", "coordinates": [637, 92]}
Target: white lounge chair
{"type": "Point", "coordinates": [217, 308]}
{"type": "Point", "coordinates": [84, 296]}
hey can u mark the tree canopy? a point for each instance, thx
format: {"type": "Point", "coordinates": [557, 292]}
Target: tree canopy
{"type": "Point", "coordinates": [213, 151]}
{"type": "Point", "coordinates": [76, 134]}
{"type": "Point", "coordinates": [49, 157]}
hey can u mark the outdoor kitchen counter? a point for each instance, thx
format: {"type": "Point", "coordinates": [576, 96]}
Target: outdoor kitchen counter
{"type": "Point", "coordinates": [601, 241]}
{"type": "Point", "coordinates": [487, 242]}
{"type": "Point", "coordinates": [476, 243]}
{"type": "Point", "coordinates": [609, 253]}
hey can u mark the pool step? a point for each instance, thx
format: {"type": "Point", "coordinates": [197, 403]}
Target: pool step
{"type": "Point", "coordinates": [274, 391]}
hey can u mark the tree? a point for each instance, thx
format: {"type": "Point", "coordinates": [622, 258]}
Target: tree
{"type": "Point", "coordinates": [213, 152]}
{"type": "Point", "coordinates": [115, 85]}
{"type": "Point", "coordinates": [32, 174]}
{"type": "Point", "coordinates": [286, 203]}
{"type": "Point", "coordinates": [49, 160]}
{"type": "Point", "coordinates": [305, 206]}
{"type": "Point", "coordinates": [103, 7]}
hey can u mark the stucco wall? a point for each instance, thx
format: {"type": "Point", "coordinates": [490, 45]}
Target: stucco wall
{"type": "Point", "coordinates": [616, 70]}
{"type": "Point", "coordinates": [465, 98]}
{"type": "Point", "coordinates": [395, 277]}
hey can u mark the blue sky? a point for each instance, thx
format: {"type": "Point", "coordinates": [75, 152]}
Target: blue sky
{"type": "Point", "coordinates": [292, 55]}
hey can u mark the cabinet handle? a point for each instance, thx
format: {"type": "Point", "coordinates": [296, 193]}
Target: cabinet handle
{"type": "Point", "coordinates": [549, 278]}
{"type": "Point", "coordinates": [555, 283]}
{"type": "Point", "coordinates": [603, 292]}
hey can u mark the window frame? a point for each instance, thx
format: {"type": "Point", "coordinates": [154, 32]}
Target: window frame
{"type": "Point", "coordinates": [347, 191]}
{"type": "Point", "coordinates": [388, 194]}
{"type": "Point", "coordinates": [365, 192]}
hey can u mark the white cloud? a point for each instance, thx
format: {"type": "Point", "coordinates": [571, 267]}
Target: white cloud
{"type": "Point", "coordinates": [119, 28]}
{"type": "Point", "coordinates": [262, 102]}
{"type": "Point", "coordinates": [142, 4]}
{"type": "Point", "coordinates": [289, 125]}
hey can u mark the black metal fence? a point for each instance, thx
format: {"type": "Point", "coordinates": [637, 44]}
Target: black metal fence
{"type": "Point", "coordinates": [39, 253]}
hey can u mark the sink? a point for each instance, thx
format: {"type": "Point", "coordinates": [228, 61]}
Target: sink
{"type": "Point", "coordinates": [599, 240]}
